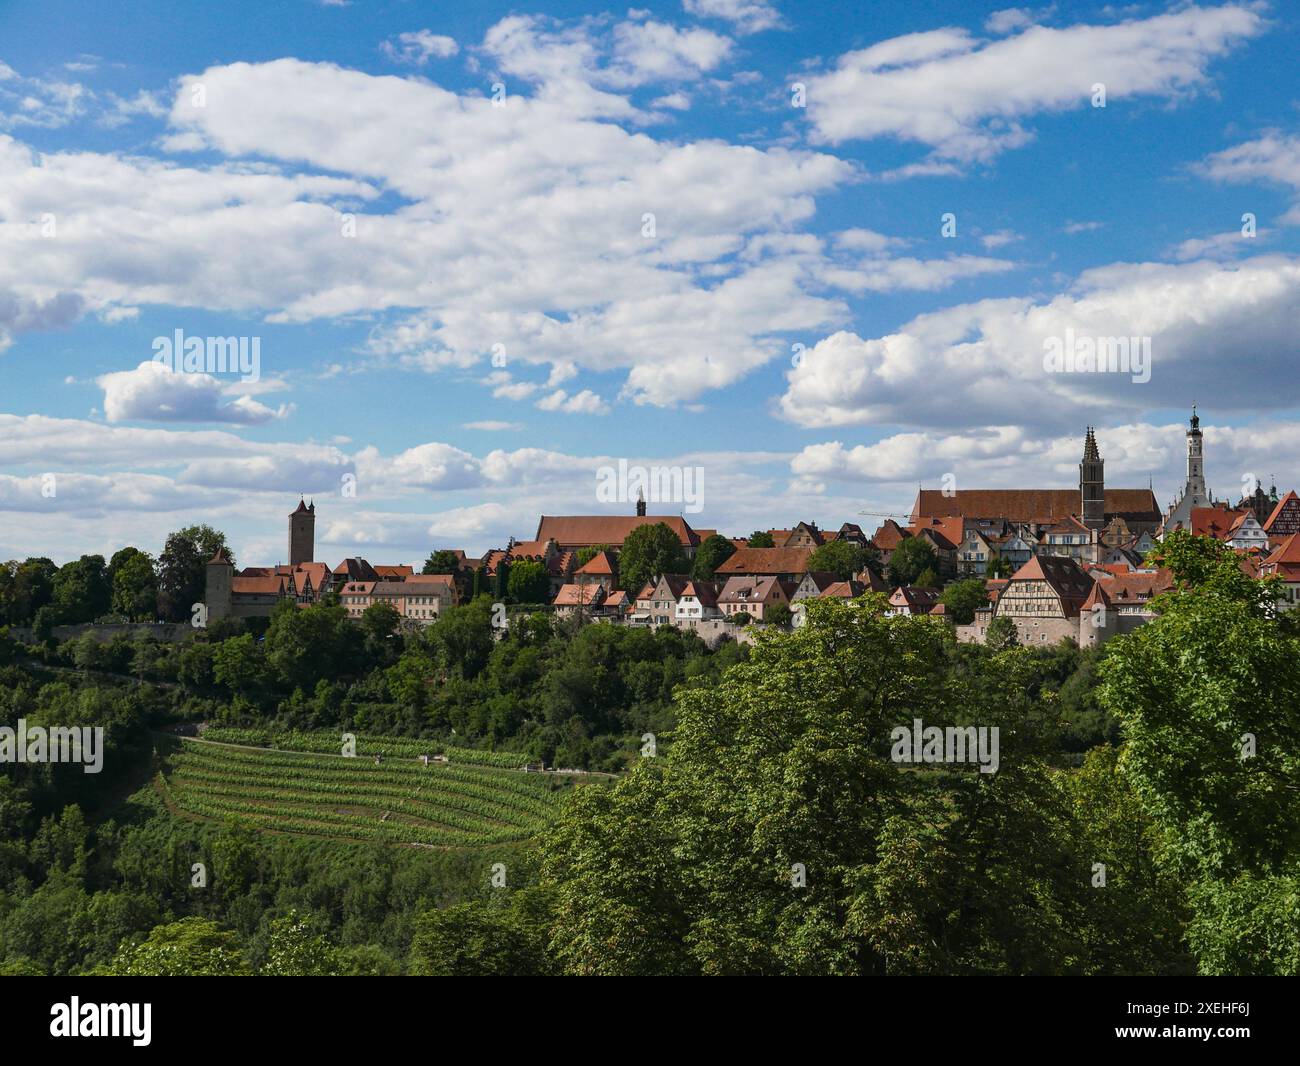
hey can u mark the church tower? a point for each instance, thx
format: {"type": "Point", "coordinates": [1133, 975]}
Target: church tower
{"type": "Point", "coordinates": [1195, 462]}
{"type": "Point", "coordinates": [640, 503]}
{"type": "Point", "coordinates": [1194, 493]}
{"type": "Point", "coordinates": [302, 534]}
{"type": "Point", "coordinates": [1092, 489]}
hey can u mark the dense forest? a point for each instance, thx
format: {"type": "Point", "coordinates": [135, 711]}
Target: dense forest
{"type": "Point", "coordinates": [1144, 818]}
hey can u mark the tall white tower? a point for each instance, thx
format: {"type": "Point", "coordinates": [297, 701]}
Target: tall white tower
{"type": "Point", "coordinates": [1194, 493]}
{"type": "Point", "coordinates": [1195, 462]}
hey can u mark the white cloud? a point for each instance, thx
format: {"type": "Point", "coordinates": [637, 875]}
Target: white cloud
{"type": "Point", "coordinates": [965, 99]}
{"type": "Point", "coordinates": [419, 46]}
{"type": "Point", "coordinates": [585, 402]}
{"type": "Point", "coordinates": [982, 363]}
{"type": "Point", "coordinates": [1010, 19]}
{"type": "Point", "coordinates": [1273, 158]}
{"type": "Point", "coordinates": [749, 16]}
{"type": "Point", "coordinates": [156, 393]}
{"type": "Point", "coordinates": [491, 426]}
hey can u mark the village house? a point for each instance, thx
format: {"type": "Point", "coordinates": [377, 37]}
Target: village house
{"type": "Point", "coordinates": [754, 596]}
{"type": "Point", "coordinates": [698, 602]}
{"type": "Point", "coordinates": [888, 537]}
{"type": "Point", "coordinates": [1284, 562]}
{"type": "Point", "coordinates": [1071, 539]}
{"type": "Point", "coordinates": [1119, 603]}
{"type": "Point", "coordinates": [974, 554]}
{"type": "Point", "coordinates": [912, 599]}
{"type": "Point", "coordinates": [1043, 598]}
{"type": "Point", "coordinates": [663, 600]}
{"type": "Point", "coordinates": [578, 599]}
{"type": "Point", "coordinates": [598, 570]}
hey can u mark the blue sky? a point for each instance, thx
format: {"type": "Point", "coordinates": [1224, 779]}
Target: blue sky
{"type": "Point", "coordinates": [198, 168]}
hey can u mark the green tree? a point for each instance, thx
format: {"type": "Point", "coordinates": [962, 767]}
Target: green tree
{"type": "Point", "coordinates": [528, 582]}
{"type": "Point", "coordinates": [296, 949]}
{"type": "Point", "coordinates": [443, 561]}
{"type": "Point", "coordinates": [714, 550]}
{"type": "Point", "coordinates": [1001, 634]}
{"type": "Point", "coordinates": [239, 665]}
{"type": "Point", "coordinates": [479, 940]}
{"type": "Point", "coordinates": [135, 585]}
{"type": "Point", "coordinates": [842, 558]}
{"type": "Point", "coordinates": [999, 566]}
{"type": "Point", "coordinates": [963, 598]}
{"type": "Point", "coordinates": [760, 539]}
{"type": "Point", "coordinates": [1208, 695]}
{"type": "Point", "coordinates": [908, 561]}
{"type": "Point", "coordinates": [305, 644]}
{"type": "Point", "coordinates": [182, 569]}
{"type": "Point", "coordinates": [81, 590]}
{"type": "Point", "coordinates": [191, 947]}
{"type": "Point", "coordinates": [648, 551]}
{"type": "Point", "coordinates": [777, 615]}
{"type": "Point", "coordinates": [25, 588]}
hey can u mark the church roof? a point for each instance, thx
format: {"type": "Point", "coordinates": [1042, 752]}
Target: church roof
{"type": "Point", "coordinates": [1090, 453]}
{"type": "Point", "coordinates": [1043, 506]}
{"type": "Point", "coordinates": [584, 531]}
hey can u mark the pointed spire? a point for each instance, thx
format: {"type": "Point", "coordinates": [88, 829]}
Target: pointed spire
{"type": "Point", "coordinates": [1090, 453]}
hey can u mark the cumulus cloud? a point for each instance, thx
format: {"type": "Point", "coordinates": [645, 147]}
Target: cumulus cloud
{"type": "Point", "coordinates": [153, 392]}
{"type": "Point", "coordinates": [1272, 158]}
{"type": "Point", "coordinates": [966, 99]}
{"type": "Point", "coordinates": [748, 16]}
{"type": "Point", "coordinates": [983, 363]}
{"type": "Point", "coordinates": [419, 46]}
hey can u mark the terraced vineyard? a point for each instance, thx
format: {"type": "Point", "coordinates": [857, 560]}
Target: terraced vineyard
{"type": "Point", "coordinates": [366, 744]}
{"type": "Point", "coordinates": [398, 801]}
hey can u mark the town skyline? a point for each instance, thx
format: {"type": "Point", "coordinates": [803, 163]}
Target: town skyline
{"type": "Point", "coordinates": [821, 304]}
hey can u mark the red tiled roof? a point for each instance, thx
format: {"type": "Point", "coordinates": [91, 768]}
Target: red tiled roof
{"type": "Point", "coordinates": [599, 565]}
{"type": "Point", "coordinates": [394, 573]}
{"type": "Point", "coordinates": [445, 581]}
{"type": "Point", "coordinates": [1284, 560]}
{"type": "Point", "coordinates": [1214, 522]}
{"type": "Point", "coordinates": [749, 590]}
{"type": "Point", "coordinates": [585, 531]}
{"type": "Point", "coordinates": [578, 596]}
{"type": "Point", "coordinates": [949, 528]}
{"type": "Point", "coordinates": [889, 535]}
{"type": "Point", "coordinates": [766, 561]}
{"type": "Point", "coordinates": [265, 586]}
{"type": "Point", "coordinates": [1043, 506]}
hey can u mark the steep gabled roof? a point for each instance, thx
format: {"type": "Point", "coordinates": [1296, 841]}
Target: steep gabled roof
{"type": "Point", "coordinates": [890, 535]}
{"type": "Point", "coordinates": [1044, 506]}
{"type": "Point", "coordinates": [767, 561]}
{"type": "Point", "coordinates": [1277, 511]}
{"type": "Point", "coordinates": [585, 531]}
{"type": "Point", "coordinates": [599, 565]}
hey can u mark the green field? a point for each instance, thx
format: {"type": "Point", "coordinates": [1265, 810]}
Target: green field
{"type": "Point", "coordinates": [400, 801]}
{"type": "Point", "coordinates": [366, 744]}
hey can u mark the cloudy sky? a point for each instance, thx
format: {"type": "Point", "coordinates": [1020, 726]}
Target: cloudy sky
{"type": "Point", "coordinates": [484, 250]}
